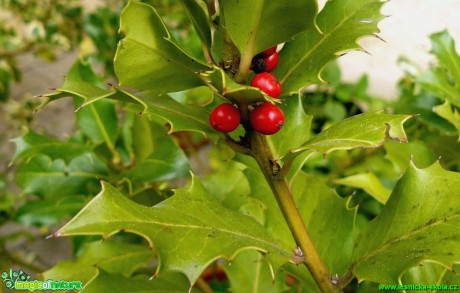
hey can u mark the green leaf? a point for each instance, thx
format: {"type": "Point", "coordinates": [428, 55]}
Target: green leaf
{"type": "Point", "coordinates": [426, 273]}
{"type": "Point", "coordinates": [48, 212]}
{"type": "Point", "coordinates": [295, 131]}
{"type": "Point", "coordinates": [167, 162]}
{"type": "Point", "coordinates": [329, 222]}
{"type": "Point", "coordinates": [99, 122]}
{"type": "Point", "coordinates": [114, 257]}
{"type": "Point", "coordinates": [250, 95]}
{"type": "Point", "coordinates": [429, 273]}
{"type": "Point", "coordinates": [443, 80]}
{"type": "Point", "coordinates": [229, 186]}
{"type": "Point", "coordinates": [147, 59]}
{"type": "Point", "coordinates": [274, 221]}
{"type": "Point", "coordinates": [220, 82]}
{"type": "Point", "coordinates": [420, 222]}
{"type": "Point", "coordinates": [450, 113]}
{"type": "Point", "coordinates": [180, 117]}
{"type": "Point", "coordinates": [200, 20]}
{"type": "Point", "coordinates": [369, 183]}
{"type": "Point", "coordinates": [447, 148]}
{"type": "Point", "coordinates": [325, 214]}
{"type": "Point", "coordinates": [32, 144]}
{"type": "Point", "coordinates": [400, 155]}
{"type": "Point", "coordinates": [175, 228]}
{"type": "Point", "coordinates": [249, 274]}
{"type": "Point", "coordinates": [367, 130]}
{"type": "Point", "coordinates": [170, 282]}
{"type": "Point", "coordinates": [45, 177]}
{"type": "Point", "coordinates": [437, 81]}
{"type": "Point", "coordinates": [82, 82]}
{"type": "Point", "coordinates": [260, 24]}
{"type": "Point", "coordinates": [443, 46]}
{"type": "Point", "coordinates": [450, 277]}
{"type": "Point", "coordinates": [139, 133]}
{"type": "Point", "coordinates": [127, 134]}
{"type": "Point", "coordinates": [342, 23]}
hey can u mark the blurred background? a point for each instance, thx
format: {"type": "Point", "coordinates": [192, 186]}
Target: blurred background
{"type": "Point", "coordinates": [40, 40]}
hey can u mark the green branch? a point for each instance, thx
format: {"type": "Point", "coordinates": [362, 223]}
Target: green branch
{"type": "Point", "coordinates": [312, 260]}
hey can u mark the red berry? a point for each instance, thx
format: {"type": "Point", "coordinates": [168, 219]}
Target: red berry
{"type": "Point", "coordinates": [225, 118]}
{"type": "Point", "coordinates": [271, 62]}
{"type": "Point", "coordinates": [267, 83]}
{"type": "Point", "coordinates": [268, 52]}
{"type": "Point", "coordinates": [267, 119]}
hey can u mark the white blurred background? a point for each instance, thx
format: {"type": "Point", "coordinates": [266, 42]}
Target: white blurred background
{"type": "Point", "coordinates": [406, 33]}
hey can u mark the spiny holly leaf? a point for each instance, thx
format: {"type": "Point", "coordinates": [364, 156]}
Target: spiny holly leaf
{"type": "Point", "coordinates": [369, 183]}
{"type": "Point", "coordinates": [444, 80]}
{"type": "Point", "coordinates": [451, 277]}
{"type": "Point", "coordinates": [170, 282]}
{"type": "Point", "coordinates": [329, 222]}
{"type": "Point", "coordinates": [175, 228]}
{"type": "Point", "coordinates": [147, 59]}
{"type": "Point", "coordinates": [259, 24]}
{"type": "Point", "coordinates": [443, 46]}
{"type": "Point", "coordinates": [420, 222]}
{"type": "Point", "coordinates": [426, 273]}
{"type": "Point", "coordinates": [325, 214]}
{"type": "Point", "coordinates": [341, 23]}
{"type": "Point", "coordinates": [437, 81]}
{"type": "Point", "coordinates": [231, 188]}
{"type": "Point", "coordinates": [166, 162]}
{"type": "Point", "coordinates": [274, 222]}
{"type": "Point", "coordinates": [450, 113]}
{"type": "Point", "coordinates": [367, 130]}
{"type": "Point", "coordinates": [32, 144]}
{"type": "Point", "coordinates": [295, 131]}
{"type": "Point", "coordinates": [249, 274]}
{"type": "Point", "coordinates": [99, 122]}
{"type": "Point", "coordinates": [200, 20]}
{"type": "Point", "coordinates": [45, 177]}
{"type": "Point", "coordinates": [180, 117]}
{"type": "Point", "coordinates": [82, 82]}
{"type": "Point", "coordinates": [400, 155]}
{"type": "Point", "coordinates": [248, 94]}
{"type": "Point", "coordinates": [114, 257]}
{"type": "Point", "coordinates": [223, 85]}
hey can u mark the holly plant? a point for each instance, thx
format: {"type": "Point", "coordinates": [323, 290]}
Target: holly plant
{"type": "Point", "coordinates": [207, 164]}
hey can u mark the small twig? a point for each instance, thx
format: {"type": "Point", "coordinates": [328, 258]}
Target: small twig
{"type": "Point", "coordinates": [235, 145]}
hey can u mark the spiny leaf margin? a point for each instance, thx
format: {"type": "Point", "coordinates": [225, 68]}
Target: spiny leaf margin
{"type": "Point", "coordinates": [240, 232]}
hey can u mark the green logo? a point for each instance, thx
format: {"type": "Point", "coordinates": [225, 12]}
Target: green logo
{"type": "Point", "coordinates": [21, 281]}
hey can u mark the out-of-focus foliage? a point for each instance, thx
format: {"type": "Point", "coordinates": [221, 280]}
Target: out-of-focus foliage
{"type": "Point", "coordinates": [348, 158]}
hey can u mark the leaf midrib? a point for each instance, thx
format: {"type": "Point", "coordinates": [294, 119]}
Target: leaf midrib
{"type": "Point", "coordinates": [325, 36]}
{"type": "Point", "coordinates": [101, 127]}
{"type": "Point", "coordinates": [404, 237]}
{"type": "Point", "coordinates": [171, 110]}
{"type": "Point", "coordinates": [250, 47]}
{"type": "Point", "coordinates": [150, 222]}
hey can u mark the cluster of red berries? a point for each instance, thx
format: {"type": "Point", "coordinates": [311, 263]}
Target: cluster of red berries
{"type": "Point", "coordinates": [266, 118]}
